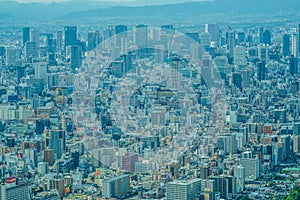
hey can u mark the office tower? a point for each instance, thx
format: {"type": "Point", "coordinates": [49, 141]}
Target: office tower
{"type": "Point", "coordinates": [239, 55]}
{"type": "Point", "coordinates": [40, 125]}
{"type": "Point", "coordinates": [252, 167]}
{"type": "Point", "coordinates": [26, 35]}
{"type": "Point", "coordinates": [296, 129]}
{"type": "Point", "coordinates": [75, 155]}
{"type": "Point", "coordinates": [43, 168]}
{"type": "Point", "coordinates": [58, 184]}
{"type": "Point", "coordinates": [59, 40]}
{"type": "Point", "coordinates": [263, 53]}
{"type": "Point", "coordinates": [286, 144]}
{"type": "Point", "coordinates": [267, 37]}
{"type": "Point", "coordinates": [94, 39]}
{"type": "Point", "coordinates": [237, 80]}
{"type": "Point", "coordinates": [20, 191]}
{"type": "Point", "coordinates": [13, 56]}
{"type": "Point", "coordinates": [286, 45]}
{"type": "Point", "coordinates": [239, 174]}
{"type": "Point", "coordinates": [141, 38]}
{"type": "Point", "coordinates": [261, 34]}
{"type": "Point", "coordinates": [299, 38]}
{"type": "Point", "coordinates": [246, 78]}
{"type": "Point", "coordinates": [183, 189]}
{"type": "Point", "coordinates": [205, 39]}
{"type": "Point", "coordinates": [31, 50]}
{"type": "Point", "coordinates": [116, 187]}
{"type": "Point", "coordinates": [40, 71]}
{"type": "Point", "coordinates": [280, 115]}
{"type": "Point", "coordinates": [176, 65]}
{"type": "Point", "coordinates": [128, 162]}
{"type": "Point", "coordinates": [293, 65]}
{"type": "Point", "coordinates": [295, 47]}
{"type": "Point", "coordinates": [206, 70]}
{"type": "Point", "coordinates": [296, 144]}
{"type": "Point", "coordinates": [227, 143]}
{"type": "Point", "coordinates": [31, 155]}
{"type": "Point", "coordinates": [240, 38]}
{"type": "Point", "coordinates": [74, 53]}
{"type": "Point", "coordinates": [223, 184]}
{"type": "Point", "coordinates": [120, 31]}
{"type": "Point", "coordinates": [118, 68]}
{"type": "Point", "coordinates": [48, 156]}
{"type": "Point", "coordinates": [261, 71]}
{"type": "Point", "coordinates": [231, 43]}
{"type": "Point", "coordinates": [35, 36]}
{"type": "Point", "coordinates": [127, 59]}
{"type": "Point", "coordinates": [57, 142]}
{"type": "Point", "coordinates": [214, 31]}
{"type": "Point", "coordinates": [70, 35]}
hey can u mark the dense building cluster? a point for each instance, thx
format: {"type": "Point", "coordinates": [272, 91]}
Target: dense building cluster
{"type": "Point", "coordinates": [149, 113]}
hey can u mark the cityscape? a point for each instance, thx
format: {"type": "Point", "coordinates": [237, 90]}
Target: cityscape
{"type": "Point", "coordinates": [170, 100]}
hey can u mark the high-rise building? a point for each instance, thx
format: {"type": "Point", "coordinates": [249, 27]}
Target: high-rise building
{"type": "Point", "coordinates": [20, 191]}
{"type": "Point", "coordinates": [48, 156]}
{"type": "Point", "coordinates": [58, 184]}
{"type": "Point", "coordinates": [59, 40]}
{"type": "Point", "coordinates": [286, 45]}
{"type": "Point", "coordinates": [26, 35]}
{"type": "Point", "coordinates": [31, 50]}
{"type": "Point", "coordinates": [31, 155]}
{"type": "Point", "coordinates": [261, 71]}
{"type": "Point", "coordinates": [214, 31]}
{"type": "Point", "coordinates": [299, 38]}
{"type": "Point", "coordinates": [293, 65]}
{"type": "Point", "coordinates": [116, 187]}
{"type": "Point", "coordinates": [128, 162]}
{"type": "Point", "coordinates": [57, 142]}
{"type": "Point", "coordinates": [183, 189]}
{"type": "Point", "coordinates": [70, 35]}
{"type": "Point", "coordinates": [120, 31]}
{"type": "Point", "coordinates": [237, 80]}
{"type": "Point", "coordinates": [13, 56]}
{"type": "Point", "coordinates": [263, 53]}
{"type": "Point", "coordinates": [239, 55]}
{"type": "Point", "coordinates": [74, 52]}
{"type": "Point", "coordinates": [295, 47]}
{"type": "Point", "coordinates": [40, 71]}
{"type": "Point", "coordinates": [267, 37]}
{"type": "Point", "coordinates": [94, 39]}
{"type": "Point", "coordinates": [141, 38]}
{"type": "Point", "coordinates": [35, 36]}
{"type": "Point", "coordinates": [252, 167]}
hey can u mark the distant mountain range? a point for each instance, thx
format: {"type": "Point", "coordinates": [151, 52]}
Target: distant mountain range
{"type": "Point", "coordinates": [85, 9]}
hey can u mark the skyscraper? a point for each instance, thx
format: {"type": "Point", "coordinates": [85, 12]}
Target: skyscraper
{"type": "Point", "coordinates": [57, 142]}
{"type": "Point", "coordinates": [295, 45]}
{"type": "Point", "coordinates": [286, 45]}
{"type": "Point", "coordinates": [267, 37]}
{"type": "Point", "coordinates": [26, 35]}
{"type": "Point", "coordinates": [74, 52]}
{"type": "Point", "coordinates": [93, 40]}
{"type": "Point", "coordinates": [141, 38]}
{"type": "Point", "coordinates": [214, 31]}
{"type": "Point", "coordinates": [120, 31]}
{"type": "Point", "coordinates": [70, 35]}
{"type": "Point", "coordinates": [293, 65]}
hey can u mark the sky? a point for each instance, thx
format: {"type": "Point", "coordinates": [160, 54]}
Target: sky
{"type": "Point", "coordinates": [48, 1]}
